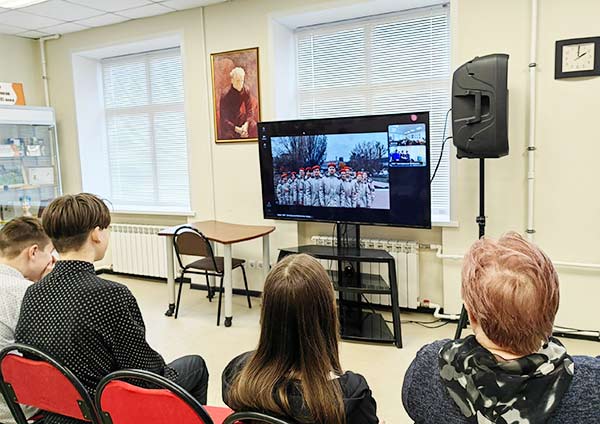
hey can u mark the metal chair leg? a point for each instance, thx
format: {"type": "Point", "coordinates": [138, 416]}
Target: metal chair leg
{"type": "Point", "coordinates": [210, 292]}
{"type": "Point", "coordinates": [179, 294]}
{"type": "Point", "coordinates": [246, 285]}
{"type": "Point", "coordinates": [220, 296]}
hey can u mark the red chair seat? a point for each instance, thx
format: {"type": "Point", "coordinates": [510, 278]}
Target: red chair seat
{"type": "Point", "coordinates": [218, 413]}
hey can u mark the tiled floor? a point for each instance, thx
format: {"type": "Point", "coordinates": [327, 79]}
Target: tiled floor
{"type": "Point", "coordinates": [195, 331]}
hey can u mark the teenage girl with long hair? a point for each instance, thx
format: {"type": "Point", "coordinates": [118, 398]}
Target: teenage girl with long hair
{"type": "Point", "coordinates": [295, 373]}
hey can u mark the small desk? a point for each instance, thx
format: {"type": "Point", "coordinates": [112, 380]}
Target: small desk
{"type": "Point", "coordinates": [227, 234]}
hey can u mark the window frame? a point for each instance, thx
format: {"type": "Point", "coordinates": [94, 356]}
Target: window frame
{"type": "Point", "coordinates": [153, 207]}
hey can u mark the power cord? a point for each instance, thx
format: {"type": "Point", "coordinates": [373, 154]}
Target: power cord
{"type": "Point", "coordinates": [426, 324]}
{"type": "Point", "coordinates": [443, 144]}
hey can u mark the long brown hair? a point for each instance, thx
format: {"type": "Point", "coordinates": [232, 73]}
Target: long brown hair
{"type": "Point", "coordinates": [298, 344]}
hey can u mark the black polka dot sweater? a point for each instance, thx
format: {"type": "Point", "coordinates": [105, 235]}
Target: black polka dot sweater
{"type": "Point", "coordinates": [90, 325]}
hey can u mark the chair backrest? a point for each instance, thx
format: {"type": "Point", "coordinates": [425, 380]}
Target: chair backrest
{"type": "Point", "coordinates": [252, 417]}
{"type": "Point", "coordinates": [191, 242]}
{"type": "Point", "coordinates": [120, 402]}
{"type": "Point", "coordinates": [38, 380]}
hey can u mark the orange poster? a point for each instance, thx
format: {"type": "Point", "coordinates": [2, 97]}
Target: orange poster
{"type": "Point", "coordinates": [12, 93]}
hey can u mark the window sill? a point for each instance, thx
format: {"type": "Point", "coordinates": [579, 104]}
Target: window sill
{"type": "Point", "coordinates": [446, 224]}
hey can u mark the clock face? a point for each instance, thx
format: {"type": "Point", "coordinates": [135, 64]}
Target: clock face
{"type": "Point", "coordinates": [578, 57]}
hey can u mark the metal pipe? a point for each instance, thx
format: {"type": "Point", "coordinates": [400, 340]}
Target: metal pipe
{"type": "Point", "coordinates": [532, 112]}
{"type": "Point", "coordinates": [44, 71]}
{"type": "Point", "coordinates": [558, 264]}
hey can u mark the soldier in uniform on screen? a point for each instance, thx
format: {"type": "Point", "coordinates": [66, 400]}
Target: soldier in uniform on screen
{"type": "Point", "coordinates": [371, 184]}
{"type": "Point", "coordinates": [282, 190]}
{"type": "Point", "coordinates": [293, 189]}
{"type": "Point", "coordinates": [318, 195]}
{"type": "Point", "coordinates": [331, 187]}
{"type": "Point", "coordinates": [361, 192]}
{"type": "Point", "coordinates": [308, 187]}
{"type": "Point", "coordinates": [347, 187]}
{"type": "Point", "coordinates": [300, 185]}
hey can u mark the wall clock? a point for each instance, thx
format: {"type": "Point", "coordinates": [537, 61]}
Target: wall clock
{"type": "Point", "coordinates": [577, 57]}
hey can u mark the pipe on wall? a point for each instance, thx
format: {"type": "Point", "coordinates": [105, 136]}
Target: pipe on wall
{"type": "Point", "coordinates": [44, 71]}
{"type": "Point", "coordinates": [532, 111]}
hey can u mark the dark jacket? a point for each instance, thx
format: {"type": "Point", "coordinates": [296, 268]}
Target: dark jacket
{"type": "Point", "coordinates": [91, 326]}
{"type": "Point", "coordinates": [427, 402]}
{"type": "Point", "coordinates": [358, 400]}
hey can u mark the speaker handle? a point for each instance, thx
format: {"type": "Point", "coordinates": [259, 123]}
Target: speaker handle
{"type": "Point", "coordinates": [477, 118]}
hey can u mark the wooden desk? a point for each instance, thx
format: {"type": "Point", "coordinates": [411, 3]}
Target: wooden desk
{"type": "Point", "coordinates": [227, 234]}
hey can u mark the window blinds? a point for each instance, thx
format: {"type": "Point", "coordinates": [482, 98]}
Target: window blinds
{"type": "Point", "coordinates": [391, 64]}
{"type": "Point", "coordinates": [146, 136]}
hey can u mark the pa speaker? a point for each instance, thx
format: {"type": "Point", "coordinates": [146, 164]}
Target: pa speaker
{"type": "Point", "coordinates": [480, 107]}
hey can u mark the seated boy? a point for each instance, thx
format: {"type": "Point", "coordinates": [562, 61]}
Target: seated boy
{"type": "Point", "coordinates": [91, 325]}
{"type": "Point", "coordinates": [511, 370]}
{"type": "Point", "coordinates": [25, 257]}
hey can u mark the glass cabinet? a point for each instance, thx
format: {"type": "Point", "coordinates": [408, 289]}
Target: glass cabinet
{"type": "Point", "coordinates": [29, 164]}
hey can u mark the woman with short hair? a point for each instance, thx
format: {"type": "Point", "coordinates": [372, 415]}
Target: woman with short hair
{"type": "Point", "coordinates": [295, 373]}
{"type": "Point", "coordinates": [511, 370]}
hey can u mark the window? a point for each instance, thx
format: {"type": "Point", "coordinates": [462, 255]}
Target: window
{"type": "Point", "coordinates": [391, 64]}
{"type": "Point", "coordinates": [146, 142]}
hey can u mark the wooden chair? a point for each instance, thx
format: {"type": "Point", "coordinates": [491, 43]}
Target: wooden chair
{"type": "Point", "coordinates": [188, 241]}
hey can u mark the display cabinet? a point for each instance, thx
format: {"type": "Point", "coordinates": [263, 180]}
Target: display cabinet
{"type": "Point", "coordinates": [29, 163]}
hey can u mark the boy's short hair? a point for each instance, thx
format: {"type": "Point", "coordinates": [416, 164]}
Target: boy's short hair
{"type": "Point", "coordinates": [21, 233]}
{"type": "Point", "coordinates": [69, 219]}
{"type": "Point", "coordinates": [511, 288]}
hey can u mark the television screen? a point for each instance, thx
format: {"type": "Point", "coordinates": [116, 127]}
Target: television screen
{"type": "Point", "coordinates": [370, 170]}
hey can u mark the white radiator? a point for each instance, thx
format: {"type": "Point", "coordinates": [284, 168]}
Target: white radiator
{"type": "Point", "coordinates": [406, 256]}
{"type": "Point", "coordinates": [138, 250]}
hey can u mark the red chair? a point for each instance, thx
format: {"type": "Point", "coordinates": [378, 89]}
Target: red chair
{"type": "Point", "coordinates": [120, 402]}
{"type": "Point", "coordinates": [30, 377]}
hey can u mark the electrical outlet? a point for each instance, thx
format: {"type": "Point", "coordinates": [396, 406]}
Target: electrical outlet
{"type": "Point", "coordinates": [259, 265]}
{"type": "Point", "coordinates": [252, 264]}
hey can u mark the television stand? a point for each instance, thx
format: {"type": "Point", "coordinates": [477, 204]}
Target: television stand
{"type": "Point", "coordinates": [357, 320]}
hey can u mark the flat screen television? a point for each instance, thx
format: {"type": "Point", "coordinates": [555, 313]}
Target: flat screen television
{"type": "Point", "coordinates": [361, 170]}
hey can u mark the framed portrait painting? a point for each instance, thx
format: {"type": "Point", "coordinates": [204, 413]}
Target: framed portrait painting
{"type": "Point", "coordinates": [236, 95]}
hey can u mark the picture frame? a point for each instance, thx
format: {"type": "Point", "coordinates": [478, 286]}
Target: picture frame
{"type": "Point", "coordinates": [40, 175]}
{"type": "Point", "coordinates": [12, 175]}
{"type": "Point", "coordinates": [236, 95]}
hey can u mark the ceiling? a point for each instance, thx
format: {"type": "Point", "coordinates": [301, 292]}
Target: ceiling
{"type": "Point", "coordinates": [64, 16]}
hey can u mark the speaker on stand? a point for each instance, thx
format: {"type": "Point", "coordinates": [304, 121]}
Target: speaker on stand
{"type": "Point", "coordinates": [480, 123]}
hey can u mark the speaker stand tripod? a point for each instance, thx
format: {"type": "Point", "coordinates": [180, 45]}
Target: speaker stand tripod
{"type": "Point", "coordinates": [463, 320]}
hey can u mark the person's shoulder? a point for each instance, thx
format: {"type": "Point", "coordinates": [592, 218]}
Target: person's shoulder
{"type": "Point", "coordinates": [580, 403]}
{"type": "Point", "coordinates": [234, 367]}
{"type": "Point", "coordinates": [354, 385]}
{"type": "Point", "coordinates": [108, 286]}
{"type": "Point", "coordinates": [237, 363]}
{"type": "Point", "coordinates": [426, 361]}
{"type": "Point", "coordinates": [587, 371]}
{"type": "Point", "coordinates": [434, 348]}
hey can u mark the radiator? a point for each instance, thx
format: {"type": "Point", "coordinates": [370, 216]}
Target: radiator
{"type": "Point", "coordinates": [406, 256]}
{"type": "Point", "coordinates": [138, 250]}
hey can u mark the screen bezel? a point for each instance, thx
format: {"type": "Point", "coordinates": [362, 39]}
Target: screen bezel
{"type": "Point", "coordinates": [266, 160]}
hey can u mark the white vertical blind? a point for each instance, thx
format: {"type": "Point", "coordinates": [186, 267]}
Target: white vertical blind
{"type": "Point", "coordinates": [146, 137]}
{"type": "Point", "coordinates": [387, 64]}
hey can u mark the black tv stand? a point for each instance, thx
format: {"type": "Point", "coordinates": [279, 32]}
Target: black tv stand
{"type": "Point", "coordinates": [357, 320]}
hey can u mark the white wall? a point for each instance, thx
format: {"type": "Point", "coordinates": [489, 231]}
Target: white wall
{"type": "Point", "coordinates": [566, 206]}
{"type": "Point", "coordinates": [21, 63]}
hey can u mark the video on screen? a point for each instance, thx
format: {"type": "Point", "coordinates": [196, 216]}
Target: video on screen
{"type": "Point", "coordinates": [407, 144]}
{"type": "Point", "coordinates": [332, 170]}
